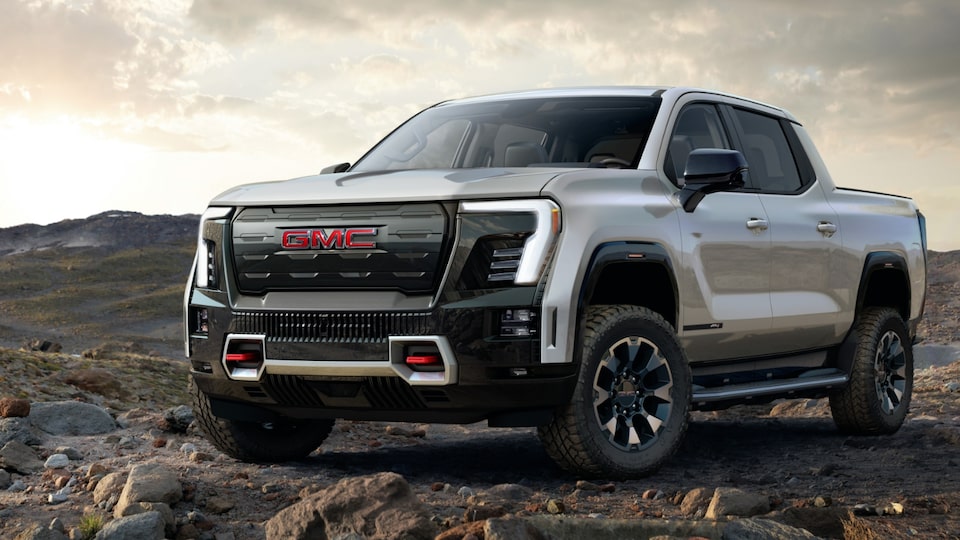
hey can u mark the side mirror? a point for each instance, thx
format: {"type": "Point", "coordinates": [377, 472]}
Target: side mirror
{"type": "Point", "coordinates": [710, 170]}
{"type": "Point", "coordinates": [339, 167]}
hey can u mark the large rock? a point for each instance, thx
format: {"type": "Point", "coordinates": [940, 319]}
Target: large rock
{"type": "Point", "coordinates": [14, 407]}
{"type": "Point", "coordinates": [148, 482]}
{"type": "Point", "coordinates": [736, 502]}
{"type": "Point", "coordinates": [16, 456]}
{"type": "Point", "coordinates": [18, 429]}
{"type": "Point", "coordinates": [145, 526]}
{"type": "Point", "coordinates": [109, 485]}
{"type": "Point", "coordinates": [71, 418]}
{"type": "Point", "coordinates": [763, 529]}
{"type": "Point", "coordinates": [378, 506]}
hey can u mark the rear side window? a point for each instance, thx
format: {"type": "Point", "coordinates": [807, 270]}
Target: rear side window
{"type": "Point", "coordinates": [772, 165]}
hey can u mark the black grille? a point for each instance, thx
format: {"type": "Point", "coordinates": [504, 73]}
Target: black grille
{"type": "Point", "coordinates": [347, 327]}
{"type": "Point", "coordinates": [396, 247]}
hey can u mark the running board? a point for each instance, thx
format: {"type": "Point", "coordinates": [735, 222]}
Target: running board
{"type": "Point", "coordinates": [763, 388]}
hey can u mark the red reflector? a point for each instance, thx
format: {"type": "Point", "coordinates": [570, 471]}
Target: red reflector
{"type": "Point", "coordinates": [428, 360]}
{"type": "Point", "coordinates": [251, 356]}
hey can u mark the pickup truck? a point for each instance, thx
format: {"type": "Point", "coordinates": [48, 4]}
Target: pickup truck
{"type": "Point", "coordinates": [595, 262]}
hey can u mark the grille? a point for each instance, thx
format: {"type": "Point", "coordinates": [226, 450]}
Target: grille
{"type": "Point", "coordinates": [347, 327]}
{"type": "Point", "coordinates": [398, 247]}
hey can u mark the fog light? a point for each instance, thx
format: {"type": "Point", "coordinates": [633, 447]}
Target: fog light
{"type": "Point", "coordinates": [518, 323]}
{"type": "Point", "coordinates": [243, 359]}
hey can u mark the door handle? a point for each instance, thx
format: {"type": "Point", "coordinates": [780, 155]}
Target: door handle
{"type": "Point", "coordinates": [826, 228]}
{"type": "Point", "coordinates": [757, 224]}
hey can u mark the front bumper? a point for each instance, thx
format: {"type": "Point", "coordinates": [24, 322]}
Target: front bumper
{"type": "Point", "coordinates": [351, 365]}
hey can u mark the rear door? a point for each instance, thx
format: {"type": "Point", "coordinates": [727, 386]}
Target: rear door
{"type": "Point", "coordinates": [803, 231]}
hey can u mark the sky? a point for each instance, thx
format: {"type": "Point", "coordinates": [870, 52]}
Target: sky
{"type": "Point", "coordinates": [156, 106]}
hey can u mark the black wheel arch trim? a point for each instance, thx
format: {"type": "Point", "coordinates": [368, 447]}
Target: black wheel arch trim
{"type": "Point", "coordinates": [882, 260]}
{"type": "Point", "coordinates": [626, 252]}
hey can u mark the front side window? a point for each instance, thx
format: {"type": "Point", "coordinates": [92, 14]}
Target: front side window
{"type": "Point", "coordinates": [698, 126]}
{"type": "Point", "coordinates": [547, 132]}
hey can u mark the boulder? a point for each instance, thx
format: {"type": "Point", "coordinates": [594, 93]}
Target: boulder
{"type": "Point", "coordinates": [71, 418]}
{"type": "Point", "coordinates": [18, 429]}
{"type": "Point", "coordinates": [148, 482]}
{"type": "Point", "coordinates": [96, 380]}
{"type": "Point", "coordinates": [736, 502]}
{"type": "Point", "coordinates": [110, 484]}
{"type": "Point", "coordinates": [145, 526]}
{"type": "Point", "coordinates": [16, 456]}
{"type": "Point", "coordinates": [762, 529]}
{"type": "Point", "coordinates": [378, 506]}
{"type": "Point", "coordinates": [14, 407]}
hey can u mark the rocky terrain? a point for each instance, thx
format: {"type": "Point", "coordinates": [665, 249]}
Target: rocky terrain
{"type": "Point", "coordinates": [95, 437]}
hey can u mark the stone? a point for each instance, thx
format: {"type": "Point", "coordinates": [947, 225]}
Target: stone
{"type": "Point", "coordinates": [71, 418]}
{"type": "Point", "coordinates": [587, 486]}
{"type": "Point", "coordinates": [652, 495]}
{"type": "Point", "coordinates": [893, 509]}
{"type": "Point", "coordinates": [556, 506]}
{"type": "Point", "coordinates": [169, 521]}
{"type": "Point", "coordinates": [149, 482]}
{"type": "Point", "coordinates": [96, 380]}
{"type": "Point", "coordinates": [56, 461]}
{"type": "Point", "coordinates": [72, 453]}
{"type": "Point", "coordinates": [824, 522]}
{"type": "Point", "coordinates": [19, 457]}
{"type": "Point", "coordinates": [219, 504]}
{"type": "Point", "coordinates": [510, 529]}
{"type": "Point", "coordinates": [110, 484]}
{"type": "Point", "coordinates": [465, 492]}
{"type": "Point", "coordinates": [381, 505]}
{"type": "Point", "coordinates": [39, 532]}
{"type": "Point", "coordinates": [696, 500]}
{"type": "Point", "coordinates": [5, 479]}
{"type": "Point", "coordinates": [763, 529]}
{"type": "Point", "coordinates": [14, 407]}
{"type": "Point", "coordinates": [508, 492]}
{"type": "Point", "coordinates": [143, 526]}
{"type": "Point", "coordinates": [483, 512]}
{"type": "Point", "coordinates": [178, 419]}
{"type": "Point", "coordinates": [18, 429]}
{"type": "Point", "coordinates": [736, 502]}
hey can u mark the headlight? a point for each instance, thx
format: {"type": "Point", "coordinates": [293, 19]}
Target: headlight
{"type": "Point", "coordinates": [207, 275]}
{"type": "Point", "coordinates": [510, 242]}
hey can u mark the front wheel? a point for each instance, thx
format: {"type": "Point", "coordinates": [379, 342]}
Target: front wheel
{"type": "Point", "coordinates": [258, 442]}
{"type": "Point", "coordinates": [629, 410]}
{"type": "Point", "coordinates": [877, 398]}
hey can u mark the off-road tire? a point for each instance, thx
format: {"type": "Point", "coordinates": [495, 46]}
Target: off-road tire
{"type": "Point", "coordinates": [877, 398]}
{"type": "Point", "coordinates": [258, 442]}
{"type": "Point", "coordinates": [631, 368]}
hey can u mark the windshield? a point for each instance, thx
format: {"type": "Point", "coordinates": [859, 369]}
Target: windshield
{"type": "Point", "coordinates": [546, 132]}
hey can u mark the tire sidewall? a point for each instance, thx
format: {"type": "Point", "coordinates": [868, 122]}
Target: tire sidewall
{"type": "Point", "coordinates": [632, 322]}
{"type": "Point", "coordinates": [891, 322]}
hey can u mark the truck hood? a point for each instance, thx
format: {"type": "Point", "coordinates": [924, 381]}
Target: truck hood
{"type": "Point", "coordinates": [391, 186]}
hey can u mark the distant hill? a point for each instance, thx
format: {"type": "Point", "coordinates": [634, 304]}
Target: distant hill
{"type": "Point", "coordinates": [115, 276]}
{"type": "Point", "coordinates": [114, 229]}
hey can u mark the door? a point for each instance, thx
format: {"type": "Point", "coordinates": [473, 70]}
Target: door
{"type": "Point", "coordinates": [725, 274]}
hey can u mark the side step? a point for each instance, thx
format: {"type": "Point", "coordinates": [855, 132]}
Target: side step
{"type": "Point", "coordinates": [817, 379]}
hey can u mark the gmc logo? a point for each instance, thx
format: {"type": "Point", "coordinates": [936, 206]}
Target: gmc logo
{"type": "Point", "coordinates": [329, 239]}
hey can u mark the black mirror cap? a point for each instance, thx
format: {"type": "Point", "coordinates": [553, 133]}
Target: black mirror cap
{"type": "Point", "coordinates": [715, 166]}
{"type": "Point", "coordinates": [338, 168]}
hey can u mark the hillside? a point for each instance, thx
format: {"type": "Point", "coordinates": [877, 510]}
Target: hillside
{"type": "Point", "coordinates": [116, 276]}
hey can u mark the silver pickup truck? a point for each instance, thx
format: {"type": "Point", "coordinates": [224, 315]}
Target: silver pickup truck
{"type": "Point", "coordinates": [595, 262]}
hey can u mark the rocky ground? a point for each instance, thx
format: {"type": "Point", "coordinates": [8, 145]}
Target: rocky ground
{"type": "Point", "coordinates": [786, 455]}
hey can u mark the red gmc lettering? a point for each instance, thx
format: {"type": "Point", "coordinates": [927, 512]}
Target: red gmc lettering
{"type": "Point", "coordinates": [328, 239]}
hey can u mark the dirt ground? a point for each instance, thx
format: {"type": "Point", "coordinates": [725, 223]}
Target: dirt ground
{"type": "Point", "coordinates": [789, 451]}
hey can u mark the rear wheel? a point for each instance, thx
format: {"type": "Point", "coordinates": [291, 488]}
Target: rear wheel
{"type": "Point", "coordinates": [629, 410]}
{"type": "Point", "coordinates": [881, 377]}
{"type": "Point", "coordinates": [260, 442]}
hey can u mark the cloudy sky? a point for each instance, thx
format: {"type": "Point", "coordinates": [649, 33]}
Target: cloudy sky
{"type": "Point", "coordinates": [157, 105]}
